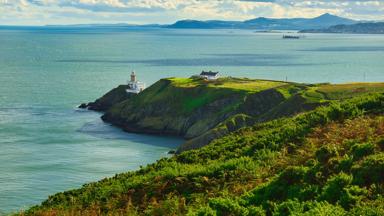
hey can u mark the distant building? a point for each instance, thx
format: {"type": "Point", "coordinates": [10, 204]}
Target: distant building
{"type": "Point", "coordinates": [135, 86]}
{"type": "Point", "coordinates": [209, 75]}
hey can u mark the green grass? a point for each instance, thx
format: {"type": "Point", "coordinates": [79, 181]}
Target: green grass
{"type": "Point", "coordinates": [242, 84]}
{"type": "Point", "coordinates": [343, 91]}
{"type": "Point", "coordinates": [327, 161]}
{"type": "Point", "coordinates": [313, 96]}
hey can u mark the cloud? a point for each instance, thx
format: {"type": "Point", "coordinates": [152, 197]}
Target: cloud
{"type": "Point", "coordinates": [39, 12]}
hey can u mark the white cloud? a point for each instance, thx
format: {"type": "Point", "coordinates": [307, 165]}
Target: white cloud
{"type": "Point", "coordinates": [38, 12]}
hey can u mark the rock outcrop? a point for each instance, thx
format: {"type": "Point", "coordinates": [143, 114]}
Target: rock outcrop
{"type": "Point", "coordinates": [166, 109]}
{"type": "Point", "coordinates": [111, 98]}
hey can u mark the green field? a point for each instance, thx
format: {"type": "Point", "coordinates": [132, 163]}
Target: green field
{"type": "Point", "coordinates": [243, 84]}
{"type": "Point", "coordinates": [342, 91]}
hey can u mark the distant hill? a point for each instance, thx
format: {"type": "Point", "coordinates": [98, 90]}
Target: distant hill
{"type": "Point", "coordinates": [323, 21]}
{"type": "Point", "coordinates": [359, 28]}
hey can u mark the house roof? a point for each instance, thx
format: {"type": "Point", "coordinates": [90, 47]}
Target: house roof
{"type": "Point", "coordinates": [208, 73]}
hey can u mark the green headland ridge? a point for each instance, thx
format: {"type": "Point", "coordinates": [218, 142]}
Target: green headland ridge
{"type": "Point", "coordinates": [253, 147]}
{"type": "Point", "coordinates": [201, 111]}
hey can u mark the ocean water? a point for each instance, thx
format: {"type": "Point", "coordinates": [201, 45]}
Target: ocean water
{"type": "Point", "coordinates": [47, 145]}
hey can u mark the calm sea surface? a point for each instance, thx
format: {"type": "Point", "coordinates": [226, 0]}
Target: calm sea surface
{"type": "Point", "coordinates": [47, 146]}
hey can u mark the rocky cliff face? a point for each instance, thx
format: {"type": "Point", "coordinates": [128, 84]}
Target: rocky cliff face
{"type": "Point", "coordinates": [259, 107]}
{"type": "Point", "coordinates": [171, 110]}
{"type": "Point", "coordinates": [111, 98]}
{"type": "Point", "coordinates": [198, 110]}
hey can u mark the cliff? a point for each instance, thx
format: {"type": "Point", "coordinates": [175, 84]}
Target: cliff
{"type": "Point", "coordinates": [111, 98]}
{"type": "Point", "coordinates": [201, 111]}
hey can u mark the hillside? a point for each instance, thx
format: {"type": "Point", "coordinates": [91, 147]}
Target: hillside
{"type": "Point", "coordinates": [359, 28]}
{"type": "Point", "coordinates": [201, 111]}
{"type": "Point", "coordinates": [328, 161]}
{"type": "Point", "coordinates": [323, 21]}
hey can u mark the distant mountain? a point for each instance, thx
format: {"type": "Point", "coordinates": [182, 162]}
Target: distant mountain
{"type": "Point", "coordinates": [323, 21]}
{"type": "Point", "coordinates": [359, 28]}
{"type": "Point", "coordinates": [204, 24]}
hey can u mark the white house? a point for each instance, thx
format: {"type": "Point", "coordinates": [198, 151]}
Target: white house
{"type": "Point", "coordinates": [135, 86]}
{"type": "Point", "coordinates": [209, 75]}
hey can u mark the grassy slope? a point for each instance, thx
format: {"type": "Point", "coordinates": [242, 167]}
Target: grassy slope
{"type": "Point", "coordinates": [297, 98]}
{"type": "Point", "coordinates": [185, 106]}
{"type": "Point", "coordinates": [323, 162]}
{"type": "Point", "coordinates": [202, 92]}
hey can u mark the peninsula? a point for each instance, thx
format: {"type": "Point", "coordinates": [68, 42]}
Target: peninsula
{"type": "Point", "coordinates": [260, 147]}
{"type": "Point", "coordinates": [202, 110]}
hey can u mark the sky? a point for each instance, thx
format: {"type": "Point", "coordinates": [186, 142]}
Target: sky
{"type": "Point", "coordinates": [50, 12]}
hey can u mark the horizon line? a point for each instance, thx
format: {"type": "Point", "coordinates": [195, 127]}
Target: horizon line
{"type": "Point", "coordinates": [165, 24]}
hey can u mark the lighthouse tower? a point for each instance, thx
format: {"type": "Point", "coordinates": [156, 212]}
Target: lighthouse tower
{"type": "Point", "coordinates": [135, 86]}
{"type": "Point", "coordinates": [133, 76]}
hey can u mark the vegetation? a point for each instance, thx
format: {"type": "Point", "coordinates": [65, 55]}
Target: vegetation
{"type": "Point", "coordinates": [328, 161]}
{"type": "Point", "coordinates": [203, 110]}
{"type": "Point", "coordinates": [342, 91]}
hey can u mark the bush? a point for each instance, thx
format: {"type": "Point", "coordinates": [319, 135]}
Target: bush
{"type": "Point", "coordinates": [256, 211]}
{"type": "Point", "coordinates": [170, 206]}
{"type": "Point", "coordinates": [293, 175]}
{"type": "Point", "coordinates": [361, 150]}
{"type": "Point", "coordinates": [325, 153]}
{"type": "Point", "coordinates": [370, 208]}
{"type": "Point", "coordinates": [323, 209]}
{"type": "Point", "coordinates": [309, 208]}
{"type": "Point", "coordinates": [352, 195]}
{"type": "Point", "coordinates": [289, 207]}
{"type": "Point", "coordinates": [227, 207]}
{"type": "Point", "coordinates": [345, 164]}
{"type": "Point", "coordinates": [205, 211]}
{"type": "Point", "coordinates": [334, 188]}
{"type": "Point", "coordinates": [380, 143]}
{"type": "Point", "coordinates": [370, 171]}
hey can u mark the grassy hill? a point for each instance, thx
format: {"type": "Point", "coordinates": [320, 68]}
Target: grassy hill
{"type": "Point", "coordinates": [201, 110]}
{"type": "Point", "coordinates": [327, 161]}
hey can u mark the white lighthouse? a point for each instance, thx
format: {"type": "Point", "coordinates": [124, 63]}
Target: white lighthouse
{"type": "Point", "coordinates": [135, 86]}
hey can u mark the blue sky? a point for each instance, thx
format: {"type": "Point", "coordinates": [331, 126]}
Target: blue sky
{"type": "Point", "coordinates": [42, 12]}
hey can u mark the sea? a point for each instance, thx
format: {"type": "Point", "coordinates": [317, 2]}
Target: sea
{"type": "Point", "coordinates": [47, 145]}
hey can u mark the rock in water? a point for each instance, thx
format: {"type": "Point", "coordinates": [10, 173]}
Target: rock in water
{"type": "Point", "coordinates": [83, 106]}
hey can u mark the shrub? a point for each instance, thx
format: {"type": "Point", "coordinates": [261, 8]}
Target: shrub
{"type": "Point", "coordinates": [289, 207]}
{"type": "Point", "coordinates": [345, 164]}
{"type": "Point", "coordinates": [352, 195]}
{"type": "Point", "coordinates": [361, 150]}
{"type": "Point", "coordinates": [309, 208]}
{"type": "Point", "coordinates": [256, 211]}
{"type": "Point", "coordinates": [293, 175]}
{"type": "Point", "coordinates": [227, 207]}
{"type": "Point", "coordinates": [323, 209]}
{"type": "Point", "coordinates": [370, 208]}
{"type": "Point", "coordinates": [170, 206]}
{"type": "Point", "coordinates": [325, 153]}
{"type": "Point", "coordinates": [380, 143]}
{"type": "Point", "coordinates": [205, 211]}
{"type": "Point", "coordinates": [334, 188]}
{"type": "Point", "coordinates": [370, 171]}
